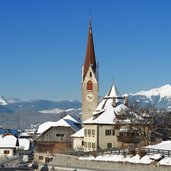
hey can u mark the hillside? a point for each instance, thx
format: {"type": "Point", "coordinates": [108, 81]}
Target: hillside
{"type": "Point", "coordinates": [157, 97]}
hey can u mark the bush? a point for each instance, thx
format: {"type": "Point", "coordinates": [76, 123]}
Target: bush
{"type": "Point", "coordinates": [141, 153]}
{"type": "Point", "coordinates": [132, 151]}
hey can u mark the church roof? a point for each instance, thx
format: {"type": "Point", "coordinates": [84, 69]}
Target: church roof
{"type": "Point", "coordinates": [109, 116]}
{"type": "Point", "coordinates": [107, 100]}
{"type": "Point", "coordinates": [90, 53]}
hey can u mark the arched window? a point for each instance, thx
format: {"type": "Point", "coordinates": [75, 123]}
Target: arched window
{"type": "Point", "coordinates": [90, 74]}
{"type": "Point", "coordinates": [89, 85]}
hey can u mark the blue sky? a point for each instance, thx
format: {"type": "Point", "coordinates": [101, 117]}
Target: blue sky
{"type": "Point", "coordinates": [43, 43]}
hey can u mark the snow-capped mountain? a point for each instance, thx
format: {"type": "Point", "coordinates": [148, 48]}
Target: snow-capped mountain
{"type": "Point", "coordinates": [157, 97]}
{"type": "Point", "coordinates": [13, 100]}
{"type": "Point", "coordinates": [3, 101]}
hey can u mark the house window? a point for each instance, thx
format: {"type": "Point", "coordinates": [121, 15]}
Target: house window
{"type": "Point", "coordinates": [89, 145]}
{"type": "Point", "coordinates": [109, 145]}
{"type": "Point", "coordinates": [40, 157]}
{"type": "Point", "coordinates": [89, 132]}
{"type": "Point", "coordinates": [89, 85]}
{"type": "Point", "coordinates": [85, 144]}
{"type": "Point", "coordinates": [93, 145]}
{"type": "Point", "coordinates": [121, 134]}
{"type": "Point", "coordinates": [113, 132]}
{"type": "Point", "coordinates": [60, 135]}
{"type": "Point", "coordinates": [47, 160]}
{"type": "Point", "coordinates": [93, 132]}
{"type": "Point", "coordinates": [82, 143]}
{"type": "Point", "coordinates": [85, 132]}
{"type": "Point", "coordinates": [108, 132]}
{"type": "Point", "coordinates": [6, 152]}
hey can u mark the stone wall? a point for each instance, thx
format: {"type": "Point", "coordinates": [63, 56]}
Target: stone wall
{"type": "Point", "coordinates": [73, 162]}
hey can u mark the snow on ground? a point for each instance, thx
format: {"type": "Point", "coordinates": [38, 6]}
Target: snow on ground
{"type": "Point", "coordinates": [164, 145]}
{"type": "Point", "coordinates": [120, 158]}
{"type": "Point", "coordinates": [147, 159]}
{"type": "Point", "coordinates": [165, 161]}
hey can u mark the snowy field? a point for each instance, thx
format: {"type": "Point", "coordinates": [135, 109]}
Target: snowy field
{"type": "Point", "coordinates": [147, 159]}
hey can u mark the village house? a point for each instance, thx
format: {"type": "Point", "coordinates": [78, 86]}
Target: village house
{"type": "Point", "coordinates": [54, 137]}
{"type": "Point", "coordinates": [10, 145]}
{"type": "Point", "coordinates": [78, 140]}
{"type": "Point", "coordinates": [110, 125]}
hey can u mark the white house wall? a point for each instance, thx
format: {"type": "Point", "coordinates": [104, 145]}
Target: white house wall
{"type": "Point", "coordinates": [77, 143]}
{"type": "Point", "coordinates": [104, 139]}
{"type": "Point", "coordinates": [99, 139]}
{"type": "Point", "coordinates": [2, 155]}
{"type": "Point", "coordinates": [90, 139]}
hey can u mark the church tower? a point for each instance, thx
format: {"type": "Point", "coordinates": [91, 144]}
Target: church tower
{"type": "Point", "coordinates": [90, 85]}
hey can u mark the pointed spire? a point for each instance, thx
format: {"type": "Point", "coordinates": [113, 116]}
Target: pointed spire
{"type": "Point", "coordinates": [90, 54]}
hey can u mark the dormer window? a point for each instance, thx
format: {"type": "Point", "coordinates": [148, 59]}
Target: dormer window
{"type": "Point", "coordinates": [89, 85]}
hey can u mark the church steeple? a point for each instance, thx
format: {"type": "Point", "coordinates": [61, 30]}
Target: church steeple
{"type": "Point", "coordinates": [89, 83]}
{"type": "Point", "coordinates": [90, 53]}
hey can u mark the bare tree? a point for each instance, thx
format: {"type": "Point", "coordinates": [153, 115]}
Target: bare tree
{"type": "Point", "coordinates": [149, 122]}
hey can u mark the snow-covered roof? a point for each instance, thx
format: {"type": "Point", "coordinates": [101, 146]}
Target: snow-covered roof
{"type": "Point", "coordinates": [9, 141]}
{"type": "Point", "coordinates": [73, 118]}
{"type": "Point", "coordinates": [78, 134]}
{"type": "Point", "coordinates": [24, 143]}
{"type": "Point", "coordinates": [109, 116]}
{"type": "Point", "coordinates": [46, 125]}
{"type": "Point", "coordinates": [164, 145]}
{"type": "Point", "coordinates": [24, 134]}
{"type": "Point", "coordinates": [67, 121]}
{"type": "Point", "coordinates": [107, 112]}
{"type": "Point", "coordinates": [107, 100]}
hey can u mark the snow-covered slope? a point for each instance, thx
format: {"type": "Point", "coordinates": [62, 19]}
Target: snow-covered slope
{"type": "Point", "coordinates": [158, 97]}
{"type": "Point", "coordinates": [3, 101]}
{"type": "Point", "coordinates": [13, 100]}
{"type": "Point", "coordinates": [163, 92]}
{"type": "Point", "coordinates": [59, 111]}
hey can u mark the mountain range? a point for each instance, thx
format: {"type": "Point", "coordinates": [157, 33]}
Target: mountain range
{"type": "Point", "coordinates": [157, 97]}
{"type": "Point", "coordinates": [18, 114]}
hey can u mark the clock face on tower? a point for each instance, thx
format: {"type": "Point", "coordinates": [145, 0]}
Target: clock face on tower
{"type": "Point", "coordinates": [90, 97]}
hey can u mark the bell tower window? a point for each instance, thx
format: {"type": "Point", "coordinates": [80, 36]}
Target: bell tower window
{"type": "Point", "coordinates": [89, 85]}
{"type": "Point", "coordinates": [90, 74]}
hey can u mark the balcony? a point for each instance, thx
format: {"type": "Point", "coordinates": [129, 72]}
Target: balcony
{"type": "Point", "coordinates": [128, 139]}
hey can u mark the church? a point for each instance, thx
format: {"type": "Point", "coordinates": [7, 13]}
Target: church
{"type": "Point", "coordinates": [105, 123]}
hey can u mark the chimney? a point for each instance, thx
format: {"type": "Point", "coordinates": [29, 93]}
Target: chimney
{"type": "Point", "coordinates": [114, 101]}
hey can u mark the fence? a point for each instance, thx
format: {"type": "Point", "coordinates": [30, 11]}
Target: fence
{"type": "Point", "coordinates": [122, 151]}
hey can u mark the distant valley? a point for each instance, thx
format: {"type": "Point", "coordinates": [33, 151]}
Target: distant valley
{"type": "Point", "coordinates": [24, 114]}
{"type": "Point", "coordinates": [17, 114]}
